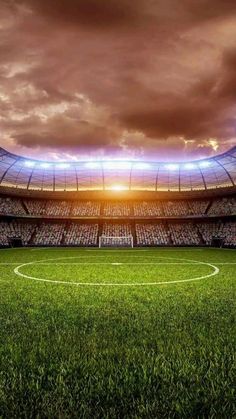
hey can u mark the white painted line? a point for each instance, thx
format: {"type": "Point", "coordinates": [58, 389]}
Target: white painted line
{"type": "Point", "coordinates": [17, 272]}
{"type": "Point", "coordinates": [113, 263]}
{"type": "Point", "coordinates": [118, 263]}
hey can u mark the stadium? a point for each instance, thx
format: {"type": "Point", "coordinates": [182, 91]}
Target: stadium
{"type": "Point", "coordinates": [118, 203]}
{"type": "Point", "coordinates": [141, 249]}
{"type": "Point", "coordinates": [117, 209]}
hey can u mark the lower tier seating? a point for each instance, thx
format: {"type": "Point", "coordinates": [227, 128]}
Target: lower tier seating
{"type": "Point", "coordinates": [144, 234]}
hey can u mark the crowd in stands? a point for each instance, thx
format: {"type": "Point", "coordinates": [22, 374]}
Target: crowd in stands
{"type": "Point", "coordinates": [147, 234]}
{"type": "Point", "coordinates": [81, 235]}
{"type": "Point", "coordinates": [230, 234]}
{"type": "Point", "coordinates": [184, 234]}
{"type": "Point", "coordinates": [16, 229]}
{"type": "Point", "coordinates": [11, 206]}
{"type": "Point", "coordinates": [116, 209]}
{"type": "Point", "coordinates": [210, 230]}
{"type": "Point", "coordinates": [148, 209]}
{"type": "Point", "coordinates": [198, 207]}
{"type": "Point", "coordinates": [59, 208]}
{"type": "Point", "coordinates": [116, 230]}
{"type": "Point", "coordinates": [223, 206]}
{"type": "Point", "coordinates": [152, 234]}
{"type": "Point", "coordinates": [49, 234]}
{"type": "Point", "coordinates": [175, 208]}
{"type": "Point", "coordinates": [36, 206]}
{"type": "Point", "coordinates": [85, 209]}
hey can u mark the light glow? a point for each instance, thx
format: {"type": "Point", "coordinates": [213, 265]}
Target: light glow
{"type": "Point", "coordinates": [142, 166]}
{"type": "Point", "coordinates": [172, 166]}
{"type": "Point", "coordinates": [117, 165]}
{"type": "Point", "coordinates": [189, 166]}
{"type": "Point", "coordinates": [63, 166]}
{"type": "Point", "coordinates": [118, 188]}
{"type": "Point", "coordinates": [92, 165]}
{"type": "Point", "coordinates": [29, 163]}
{"type": "Point", "coordinates": [204, 163]}
{"type": "Point", "coordinates": [45, 165]}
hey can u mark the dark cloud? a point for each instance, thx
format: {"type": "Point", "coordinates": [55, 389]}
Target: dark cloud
{"type": "Point", "coordinates": [178, 121]}
{"type": "Point", "coordinates": [91, 13]}
{"type": "Point", "coordinates": [131, 76]}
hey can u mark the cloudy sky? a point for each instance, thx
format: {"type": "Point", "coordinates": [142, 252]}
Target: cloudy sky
{"type": "Point", "coordinates": [92, 78]}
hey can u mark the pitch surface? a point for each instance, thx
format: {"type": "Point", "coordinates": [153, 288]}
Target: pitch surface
{"type": "Point", "coordinates": [117, 333]}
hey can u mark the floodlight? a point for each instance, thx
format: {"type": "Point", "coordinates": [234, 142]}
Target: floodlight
{"type": "Point", "coordinates": [117, 165]}
{"type": "Point", "coordinates": [63, 166]}
{"type": "Point", "coordinates": [142, 166]}
{"type": "Point", "coordinates": [92, 165]}
{"type": "Point", "coordinates": [45, 165]}
{"type": "Point", "coordinates": [189, 166]}
{"type": "Point", "coordinates": [204, 163]}
{"type": "Point", "coordinates": [29, 163]}
{"type": "Point", "coordinates": [172, 166]}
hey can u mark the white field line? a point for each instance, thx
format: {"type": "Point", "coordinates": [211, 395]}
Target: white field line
{"type": "Point", "coordinates": [106, 263]}
{"type": "Point", "coordinates": [118, 263]}
{"type": "Point", "coordinates": [80, 256]}
{"type": "Point", "coordinates": [215, 272]}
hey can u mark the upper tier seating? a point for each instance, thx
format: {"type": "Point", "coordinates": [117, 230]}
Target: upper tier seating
{"type": "Point", "coordinates": [11, 206]}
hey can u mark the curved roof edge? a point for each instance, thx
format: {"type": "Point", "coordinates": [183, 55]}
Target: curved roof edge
{"type": "Point", "coordinates": [118, 175]}
{"type": "Point", "coordinates": [232, 150]}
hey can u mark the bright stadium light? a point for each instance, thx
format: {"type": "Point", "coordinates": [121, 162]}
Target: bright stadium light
{"type": "Point", "coordinates": [45, 165]}
{"type": "Point", "coordinates": [117, 165]}
{"type": "Point", "coordinates": [92, 165]}
{"type": "Point", "coordinates": [204, 164]}
{"type": "Point", "coordinates": [141, 166]}
{"type": "Point", "coordinates": [63, 166]}
{"type": "Point", "coordinates": [189, 166]}
{"type": "Point", "coordinates": [172, 166]}
{"type": "Point", "coordinates": [29, 163]}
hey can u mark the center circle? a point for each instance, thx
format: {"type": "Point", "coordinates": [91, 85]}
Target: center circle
{"type": "Point", "coordinates": [182, 261]}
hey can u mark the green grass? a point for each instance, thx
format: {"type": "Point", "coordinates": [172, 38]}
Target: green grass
{"type": "Point", "coordinates": [118, 351]}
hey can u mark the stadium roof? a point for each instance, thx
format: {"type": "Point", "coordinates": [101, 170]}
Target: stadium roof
{"type": "Point", "coordinates": [206, 174]}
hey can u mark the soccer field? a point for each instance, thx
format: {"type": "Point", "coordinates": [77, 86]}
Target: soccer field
{"type": "Point", "coordinates": [118, 333]}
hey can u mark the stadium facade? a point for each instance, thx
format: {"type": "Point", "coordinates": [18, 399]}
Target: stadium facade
{"type": "Point", "coordinates": [153, 203]}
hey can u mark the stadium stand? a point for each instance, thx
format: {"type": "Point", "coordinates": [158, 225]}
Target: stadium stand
{"type": "Point", "coordinates": [36, 206]}
{"type": "Point", "coordinates": [147, 234]}
{"type": "Point", "coordinates": [60, 208]}
{"type": "Point", "coordinates": [152, 234]}
{"type": "Point", "coordinates": [11, 206]}
{"type": "Point", "coordinates": [81, 235]}
{"type": "Point", "coordinates": [148, 209]}
{"type": "Point", "coordinates": [116, 230]}
{"type": "Point", "coordinates": [184, 234]}
{"type": "Point", "coordinates": [161, 206]}
{"type": "Point", "coordinates": [197, 207]}
{"type": "Point", "coordinates": [16, 228]}
{"type": "Point", "coordinates": [175, 208]}
{"type": "Point", "coordinates": [230, 234]}
{"type": "Point", "coordinates": [116, 209]}
{"type": "Point", "coordinates": [86, 209]}
{"type": "Point", "coordinates": [49, 234]}
{"type": "Point", "coordinates": [223, 206]}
